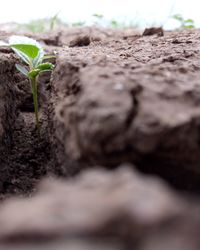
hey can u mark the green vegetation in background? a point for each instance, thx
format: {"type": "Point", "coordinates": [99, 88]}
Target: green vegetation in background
{"type": "Point", "coordinates": [54, 20]}
{"type": "Point", "coordinates": [78, 24]}
{"type": "Point", "coordinates": [184, 23]}
{"type": "Point", "coordinates": [100, 20]}
{"type": "Point", "coordinates": [49, 24]}
{"type": "Point", "coordinates": [42, 25]}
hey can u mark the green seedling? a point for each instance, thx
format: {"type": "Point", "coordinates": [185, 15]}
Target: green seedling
{"type": "Point", "coordinates": [117, 24]}
{"type": "Point", "coordinates": [32, 54]}
{"type": "Point", "coordinates": [184, 23]}
{"type": "Point", "coordinates": [78, 24]}
{"type": "Point", "coordinates": [35, 26]}
{"type": "Point", "coordinates": [41, 25]}
{"type": "Point", "coordinates": [98, 19]}
{"type": "Point", "coordinates": [98, 16]}
{"type": "Point", "coordinates": [54, 20]}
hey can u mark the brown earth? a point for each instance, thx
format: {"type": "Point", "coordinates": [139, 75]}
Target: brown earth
{"type": "Point", "coordinates": [133, 99]}
{"type": "Point", "coordinates": [115, 97]}
{"type": "Point", "coordinates": [101, 210]}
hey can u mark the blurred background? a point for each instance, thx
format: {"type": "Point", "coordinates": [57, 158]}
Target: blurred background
{"type": "Point", "coordinates": [140, 13]}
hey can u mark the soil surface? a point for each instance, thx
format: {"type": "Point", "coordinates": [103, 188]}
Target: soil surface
{"type": "Point", "coordinates": [116, 99]}
{"type": "Point", "coordinates": [134, 99]}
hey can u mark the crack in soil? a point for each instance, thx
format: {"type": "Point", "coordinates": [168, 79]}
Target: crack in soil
{"type": "Point", "coordinates": [28, 156]}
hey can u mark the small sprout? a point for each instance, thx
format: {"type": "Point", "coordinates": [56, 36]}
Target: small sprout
{"type": "Point", "coordinates": [54, 20]}
{"type": "Point", "coordinates": [114, 24]}
{"type": "Point", "coordinates": [32, 54]}
{"type": "Point", "coordinates": [98, 16]}
{"type": "Point", "coordinates": [184, 23]}
{"type": "Point", "coordinates": [98, 19]}
{"type": "Point", "coordinates": [78, 24]}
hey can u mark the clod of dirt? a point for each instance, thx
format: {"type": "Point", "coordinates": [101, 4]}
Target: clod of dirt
{"type": "Point", "coordinates": [80, 41]}
{"type": "Point", "coordinates": [53, 40]}
{"type": "Point", "coordinates": [131, 101]}
{"type": "Point", "coordinates": [118, 209]}
{"type": "Point", "coordinates": [153, 31]}
{"type": "Point", "coordinates": [8, 97]}
{"type": "Point", "coordinates": [95, 34]}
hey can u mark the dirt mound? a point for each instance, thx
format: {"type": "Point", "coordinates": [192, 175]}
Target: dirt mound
{"type": "Point", "coordinates": [133, 100]}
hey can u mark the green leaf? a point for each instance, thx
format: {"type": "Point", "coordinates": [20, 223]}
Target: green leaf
{"type": "Point", "coordinates": [39, 58]}
{"type": "Point", "coordinates": [22, 56]}
{"type": "Point", "coordinates": [189, 21]}
{"type": "Point", "coordinates": [178, 17]}
{"type": "Point", "coordinates": [34, 73]}
{"type": "Point", "coordinates": [99, 16]}
{"type": "Point", "coordinates": [189, 26]}
{"type": "Point", "coordinates": [23, 40]}
{"type": "Point", "coordinates": [35, 55]}
{"type": "Point", "coordinates": [22, 69]}
{"type": "Point", "coordinates": [45, 66]}
{"type": "Point", "coordinates": [45, 57]}
{"type": "Point", "coordinates": [29, 50]}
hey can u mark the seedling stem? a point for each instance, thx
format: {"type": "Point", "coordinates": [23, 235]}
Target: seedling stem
{"type": "Point", "coordinates": [35, 101]}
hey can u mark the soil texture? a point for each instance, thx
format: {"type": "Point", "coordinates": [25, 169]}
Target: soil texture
{"type": "Point", "coordinates": [119, 149]}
